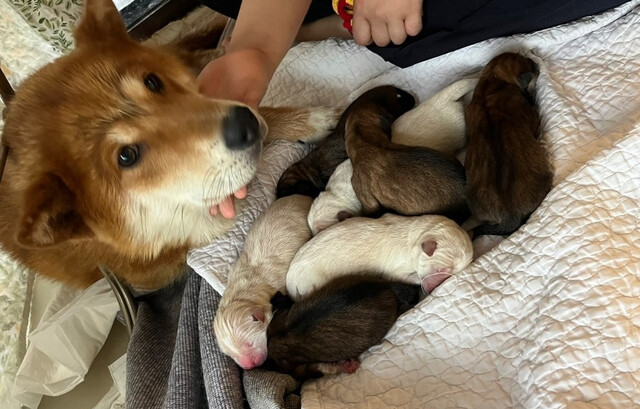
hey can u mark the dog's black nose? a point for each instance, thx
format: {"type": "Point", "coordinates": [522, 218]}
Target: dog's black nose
{"type": "Point", "coordinates": [240, 128]}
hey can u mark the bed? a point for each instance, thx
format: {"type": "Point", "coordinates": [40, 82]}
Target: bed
{"type": "Point", "coordinates": [548, 318]}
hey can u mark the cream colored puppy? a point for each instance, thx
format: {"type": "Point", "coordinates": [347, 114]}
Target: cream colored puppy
{"type": "Point", "coordinates": [421, 249]}
{"type": "Point", "coordinates": [337, 203]}
{"type": "Point", "coordinates": [245, 311]}
{"type": "Point", "coordinates": [438, 123]}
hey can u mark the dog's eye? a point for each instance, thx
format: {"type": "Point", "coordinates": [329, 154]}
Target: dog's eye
{"type": "Point", "coordinates": [153, 83]}
{"type": "Point", "coordinates": [128, 155]}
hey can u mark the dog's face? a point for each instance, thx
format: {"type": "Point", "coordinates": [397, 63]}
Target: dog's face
{"type": "Point", "coordinates": [443, 250]}
{"type": "Point", "coordinates": [513, 69]}
{"type": "Point", "coordinates": [241, 333]}
{"type": "Point", "coordinates": [113, 142]}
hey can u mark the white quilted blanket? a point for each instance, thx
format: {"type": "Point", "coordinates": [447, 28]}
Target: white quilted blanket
{"type": "Point", "coordinates": [549, 318]}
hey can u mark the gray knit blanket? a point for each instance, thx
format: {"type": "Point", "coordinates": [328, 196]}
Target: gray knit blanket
{"type": "Point", "coordinates": [173, 359]}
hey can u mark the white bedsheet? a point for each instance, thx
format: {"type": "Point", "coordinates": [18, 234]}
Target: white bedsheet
{"type": "Point", "coordinates": [550, 317]}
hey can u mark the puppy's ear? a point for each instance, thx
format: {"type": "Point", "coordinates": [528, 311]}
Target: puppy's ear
{"type": "Point", "coordinates": [50, 215]}
{"type": "Point", "coordinates": [101, 23]}
{"type": "Point", "coordinates": [280, 300]}
{"type": "Point", "coordinates": [258, 314]}
{"type": "Point", "coordinates": [429, 247]}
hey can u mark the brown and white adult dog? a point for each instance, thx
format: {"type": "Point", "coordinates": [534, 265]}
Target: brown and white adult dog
{"type": "Point", "coordinates": [116, 159]}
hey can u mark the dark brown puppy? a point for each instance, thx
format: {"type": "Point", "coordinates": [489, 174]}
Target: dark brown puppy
{"type": "Point", "coordinates": [310, 175]}
{"type": "Point", "coordinates": [408, 180]}
{"type": "Point", "coordinates": [508, 172]}
{"type": "Point", "coordinates": [326, 331]}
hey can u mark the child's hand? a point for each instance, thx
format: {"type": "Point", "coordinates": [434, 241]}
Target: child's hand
{"type": "Point", "coordinates": [382, 21]}
{"type": "Point", "coordinates": [241, 75]}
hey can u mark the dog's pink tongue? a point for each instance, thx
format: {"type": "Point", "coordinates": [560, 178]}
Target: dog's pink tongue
{"type": "Point", "coordinates": [227, 207]}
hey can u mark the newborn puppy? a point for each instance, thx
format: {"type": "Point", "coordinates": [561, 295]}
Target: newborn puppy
{"type": "Point", "coordinates": [404, 179]}
{"type": "Point", "coordinates": [241, 321]}
{"type": "Point", "coordinates": [337, 203]}
{"type": "Point", "coordinates": [437, 123]}
{"type": "Point", "coordinates": [508, 172]}
{"type": "Point", "coordinates": [309, 176]}
{"type": "Point", "coordinates": [422, 249]}
{"type": "Point", "coordinates": [325, 332]}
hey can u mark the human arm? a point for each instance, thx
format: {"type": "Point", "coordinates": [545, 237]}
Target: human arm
{"type": "Point", "coordinates": [264, 31]}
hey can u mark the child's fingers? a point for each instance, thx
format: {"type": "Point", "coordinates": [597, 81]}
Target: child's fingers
{"type": "Point", "coordinates": [380, 33]}
{"type": "Point", "coordinates": [413, 24]}
{"type": "Point", "coordinates": [361, 30]}
{"type": "Point", "coordinates": [397, 31]}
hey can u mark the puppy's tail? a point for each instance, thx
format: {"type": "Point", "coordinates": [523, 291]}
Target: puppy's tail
{"type": "Point", "coordinates": [407, 295]}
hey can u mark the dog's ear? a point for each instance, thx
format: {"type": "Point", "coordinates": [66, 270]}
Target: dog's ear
{"type": "Point", "coordinates": [257, 314]}
{"type": "Point", "coordinates": [101, 23]}
{"type": "Point", "coordinates": [429, 246]}
{"type": "Point", "coordinates": [50, 216]}
{"type": "Point", "coordinates": [280, 300]}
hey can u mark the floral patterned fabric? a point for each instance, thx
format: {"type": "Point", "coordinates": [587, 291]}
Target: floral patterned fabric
{"type": "Point", "coordinates": [53, 20]}
{"type": "Point", "coordinates": [22, 51]}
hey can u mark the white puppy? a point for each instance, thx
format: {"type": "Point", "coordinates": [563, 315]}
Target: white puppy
{"type": "Point", "coordinates": [437, 123]}
{"type": "Point", "coordinates": [422, 249]}
{"type": "Point", "coordinates": [245, 311]}
{"type": "Point", "coordinates": [337, 203]}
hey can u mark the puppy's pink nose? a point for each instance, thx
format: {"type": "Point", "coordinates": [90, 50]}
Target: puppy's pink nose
{"type": "Point", "coordinates": [246, 362]}
{"type": "Point", "coordinates": [432, 281]}
{"type": "Point", "coordinates": [250, 361]}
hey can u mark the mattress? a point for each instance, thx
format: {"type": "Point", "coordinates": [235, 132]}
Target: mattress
{"type": "Point", "coordinates": [550, 317]}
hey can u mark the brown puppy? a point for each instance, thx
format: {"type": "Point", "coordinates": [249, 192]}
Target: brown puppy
{"type": "Point", "coordinates": [508, 172]}
{"type": "Point", "coordinates": [310, 175]}
{"type": "Point", "coordinates": [404, 179]}
{"type": "Point", "coordinates": [325, 332]}
{"type": "Point", "coordinates": [116, 159]}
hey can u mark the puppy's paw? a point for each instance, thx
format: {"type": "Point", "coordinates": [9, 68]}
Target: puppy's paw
{"type": "Point", "coordinates": [350, 365]}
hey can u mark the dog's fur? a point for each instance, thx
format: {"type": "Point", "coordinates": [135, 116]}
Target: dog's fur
{"type": "Point", "coordinates": [404, 179]}
{"type": "Point", "coordinates": [327, 331]}
{"type": "Point", "coordinates": [508, 172]}
{"type": "Point", "coordinates": [437, 123]}
{"type": "Point", "coordinates": [241, 321]}
{"type": "Point", "coordinates": [66, 205]}
{"type": "Point", "coordinates": [337, 203]}
{"type": "Point", "coordinates": [310, 175]}
{"type": "Point", "coordinates": [410, 249]}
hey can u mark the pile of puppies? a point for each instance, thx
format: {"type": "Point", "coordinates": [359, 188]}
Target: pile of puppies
{"type": "Point", "coordinates": [347, 281]}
